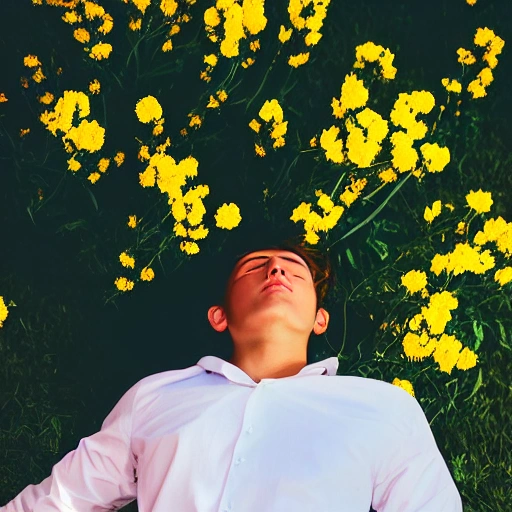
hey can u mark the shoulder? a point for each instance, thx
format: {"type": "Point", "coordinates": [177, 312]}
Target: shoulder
{"type": "Point", "coordinates": [381, 399]}
{"type": "Point", "coordinates": [157, 383]}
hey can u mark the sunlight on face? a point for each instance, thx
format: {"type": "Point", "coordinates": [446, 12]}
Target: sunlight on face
{"type": "Point", "coordinates": [251, 305]}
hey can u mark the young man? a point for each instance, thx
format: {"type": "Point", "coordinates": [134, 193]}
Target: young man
{"type": "Point", "coordinates": [263, 432]}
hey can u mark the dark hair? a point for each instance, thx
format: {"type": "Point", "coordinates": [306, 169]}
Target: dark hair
{"type": "Point", "coordinates": [318, 262]}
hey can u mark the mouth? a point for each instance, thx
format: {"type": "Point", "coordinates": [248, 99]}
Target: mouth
{"type": "Point", "coordinates": [275, 287]}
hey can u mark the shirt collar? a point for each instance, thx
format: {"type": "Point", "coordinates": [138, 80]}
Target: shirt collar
{"type": "Point", "coordinates": [215, 364]}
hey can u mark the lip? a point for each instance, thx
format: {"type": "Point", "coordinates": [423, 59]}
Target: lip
{"type": "Point", "coordinates": [275, 286]}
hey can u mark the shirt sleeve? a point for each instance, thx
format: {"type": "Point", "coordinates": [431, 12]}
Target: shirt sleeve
{"type": "Point", "coordinates": [98, 475]}
{"type": "Point", "coordinates": [415, 478]}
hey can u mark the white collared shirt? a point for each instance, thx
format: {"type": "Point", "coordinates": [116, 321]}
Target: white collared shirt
{"type": "Point", "coordinates": [209, 439]}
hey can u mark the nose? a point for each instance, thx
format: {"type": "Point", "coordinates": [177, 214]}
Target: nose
{"type": "Point", "coordinates": [274, 267]}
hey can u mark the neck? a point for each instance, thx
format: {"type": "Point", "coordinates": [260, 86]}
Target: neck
{"type": "Point", "coordinates": [260, 362]}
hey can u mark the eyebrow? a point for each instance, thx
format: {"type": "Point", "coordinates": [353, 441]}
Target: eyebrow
{"type": "Point", "coordinates": [267, 257]}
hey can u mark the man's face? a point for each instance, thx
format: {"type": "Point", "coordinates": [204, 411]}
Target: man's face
{"type": "Point", "coordinates": [271, 285]}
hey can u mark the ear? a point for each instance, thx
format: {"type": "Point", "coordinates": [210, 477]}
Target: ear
{"type": "Point", "coordinates": [321, 321]}
{"type": "Point", "coordinates": [217, 318]}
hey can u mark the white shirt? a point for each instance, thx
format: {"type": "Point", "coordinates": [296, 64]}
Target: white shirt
{"type": "Point", "coordinates": [209, 439]}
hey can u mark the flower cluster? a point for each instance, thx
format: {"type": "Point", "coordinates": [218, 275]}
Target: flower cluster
{"type": "Point", "coordinates": [307, 27]}
{"type": "Point", "coordinates": [123, 283]}
{"type": "Point", "coordinates": [91, 23]}
{"type": "Point", "coordinates": [426, 334]}
{"type": "Point", "coordinates": [493, 44]}
{"type": "Point", "coordinates": [313, 222]}
{"type": "Point", "coordinates": [270, 112]}
{"type": "Point", "coordinates": [371, 52]}
{"type": "Point", "coordinates": [171, 177]}
{"type": "Point", "coordinates": [427, 337]}
{"type": "Point", "coordinates": [228, 23]}
{"type": "Point", "coordinates": [33, 63]}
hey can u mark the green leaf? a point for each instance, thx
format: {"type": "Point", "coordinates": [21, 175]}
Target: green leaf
{"type": "Point", "coordinates": [479, 333]}
{"type": "Point", "coordinates": [351, 258]}
{"type": "Point", "coordinates": [379, 247]}
{"type": "Point", "coordinates": [477, 385]}
{"type": "Point", "coordinates": [503, 336]}
{"type": "Point", "coordinates": [93, 199]}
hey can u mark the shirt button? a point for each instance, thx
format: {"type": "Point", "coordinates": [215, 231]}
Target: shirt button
{"type": "Point", "coordinates": [249, 430]}
{"type": "Point", "coordinates": [239, 461]}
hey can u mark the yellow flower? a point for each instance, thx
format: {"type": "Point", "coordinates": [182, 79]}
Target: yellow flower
{"type": "Point", "coordinates": [88, 136]}
{"type": "Point", "coordinates": [332, 146]}
{"type": "Point", "coordinates": [82, 35]}
{"type": "Point", "coordinates": [447, 353]}
{"type": "Point", "coordinates": [404, 155]}
{"type": "Point", "coordinates": [418, 347]}
{"type": "Point", "coordinates": [353, 95]}
{"type": "Point", "coordinates": [479, 201]}
{"type": "Point", "coordinates": [94, 177]}
{"type": "Point", "coordinates": [416, 320]}
{"type": "Point", "coordinates": [94, 86]}
{"type": "Point", "coordinates": [476, 89]}
{"type": "Point", "coordinates": [100, 51]}
{"type": "Point", "coordinates": [103, 164]}
{"type": "Point", "coordinates": [404, 384]}
{"type": "Point", "coordinates": [107, 25]}
{"type": "Point", "coordinates": [142, 5]}
{"type": "Point", "coordinates": [4, 312]}
{"type": "Point", "coordinates": [119, 158]}
{"type": "Point", "coordinates": [461, 228]}
{"type": "Point", "coordinates": [467, 359]}
{"type": "Point", "coordinates": [147, 274]}
{"type": "Point", "coordinates": [435, 158]}
{"type": "Point", "coordinates": [24, 131]}
{"type": "Point", "coordinates": [132, 221]}
{"type": "Point", "coordinates": [284, 35]}
{"type": "Point", "coordinates": [211, 17]}
{"type": "Point", "coordinates": [259, 150]}
{"type": "Point", "coordinates": [485, 76]}
{"type": "Point", "coordinates": [388, 176]}
{"type": "Point", "coordinates": [135, 24]}
{"type": "Point", "coordinates": [3, 98]}
{"type": "Point", "coordinates": [465, 57]}
{"type": "Point", "coordinates": [437, 314]}
{"type": "Point", "coordinates": [452, 85]}
{"type": "Point", "coordinates": [222, 95]}
{"type": "Point", "coordinates": [254, 125]}
{"type": "Point", "coordinates": [271, 110]}
{"type": "Point", "coordinates": [143, 153]}
{"type": "Point", "coordinates": [38, 76]}
{"type": "Point", "coordinates": [189, 247]}
{"type": "Point", "coordinates": [195, 120]}
{"type": "Point", "coordinates": [124, 284]}
{"type": "Point", "coordinates": [483, 36]}
{"type": "Point", "coordinates": [431, 213]}
{"type": "Point", "coordinates": [213, 103]}
{"type": "Point", "coordinates": [93, 10]}
{"type": "Point", "coordinates": [148, 109]}
{"type": "Point", "coordinates": [147, 178]}
{"type": "Point", "coordinates": [279, 129]}
{"type": "Point", "coordinates": [414, 281]}
{"type": "Point", "coordinates": [167, 46]}
{"type": "Point", "coordinates": [198, 233]}
{"type": "Point", "coordinates": [168, 7]}
{"type": "Point", "coordinates": [228, 216]}
{"type": "Point", "coordinates": [74, 165]}
{"type": "Point", "coordinates": [313, 142]}
{"type": "Point", "coordinates": [31, 61]}
{"type": "Point", "coordinates": [503, 276]}
{"type": "Point", "coordinates": [298, 60]}
{"type": "Point", "coordinates": [211, 59]}
{"type": "Point", "coordinates": [126, 260]}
